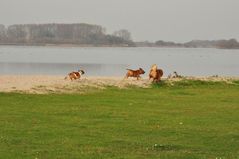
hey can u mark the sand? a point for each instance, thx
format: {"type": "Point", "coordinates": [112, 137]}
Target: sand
{"type": "Point", "coordinates": [41, 84]}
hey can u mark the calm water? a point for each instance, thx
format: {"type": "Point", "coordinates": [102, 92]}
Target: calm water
{"type": "Point", "coordinates": [113, 61]}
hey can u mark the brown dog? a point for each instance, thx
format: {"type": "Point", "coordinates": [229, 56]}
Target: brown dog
{"type": "Point", "coordinates": [134, 73]}
{"type": "Point", "coordinates": [155, 73]}
{"type": "Point", "coordinates": [75, 75]}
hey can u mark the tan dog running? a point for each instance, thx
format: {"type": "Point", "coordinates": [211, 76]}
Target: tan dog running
{"type": "Point", "coordinates": [134, 73]}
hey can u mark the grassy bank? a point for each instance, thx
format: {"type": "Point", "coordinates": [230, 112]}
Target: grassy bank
{"type": "Point", "coordinates": [189, 119]}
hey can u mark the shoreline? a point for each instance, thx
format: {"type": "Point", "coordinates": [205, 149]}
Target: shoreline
{"type": "Point", "coordinates": [110, 46]}
{"type": "Point", "coordinates": [42, 84]}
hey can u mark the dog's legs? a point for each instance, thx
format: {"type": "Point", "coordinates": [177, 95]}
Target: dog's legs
{"type": "Point", "coordinates": [150, 78]}
{"type": "Point", "coordinates": [158, 80]}
{"type": "Point", "coordinates": [155, 80]}
{"type": "Point", "coordinates": [71, 78]}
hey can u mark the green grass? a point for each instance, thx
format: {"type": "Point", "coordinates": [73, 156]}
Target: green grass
{"type": "Point", "coordinates": [191, 119]}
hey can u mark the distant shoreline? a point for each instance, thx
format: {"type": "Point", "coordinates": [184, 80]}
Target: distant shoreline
{"type": "Point", "coordinates": [64, 45]}
{"type": "Point", "coordinates": [111, 46]}
{"type": "Point", "coordinates": [91, 35]}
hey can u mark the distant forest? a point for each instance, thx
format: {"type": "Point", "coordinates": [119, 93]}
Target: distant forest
{"type": "Point", "coordinates": [220, 44]}
{"type": "Point", "coordinates": [90, 35]}
{"type": "Point", "coordinates": [79, 34]}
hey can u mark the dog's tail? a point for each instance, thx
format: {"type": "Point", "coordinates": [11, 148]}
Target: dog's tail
{"type": "Point", "coordinates": [66, 77]}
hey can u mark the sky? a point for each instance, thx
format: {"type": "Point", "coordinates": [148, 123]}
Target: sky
{"type": "Point", "coordinates": [152, 20]}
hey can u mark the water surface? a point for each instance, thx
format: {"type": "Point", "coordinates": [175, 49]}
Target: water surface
{"type": "Point", "coordinates": [107, 61]}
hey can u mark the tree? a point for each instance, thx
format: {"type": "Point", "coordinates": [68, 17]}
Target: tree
{"type": "Point", "coordinates": [124, 34]}
{"type": "Point", "coordinates": [228, 44]}
{"type": "Point", "coordinates": [2, 33]}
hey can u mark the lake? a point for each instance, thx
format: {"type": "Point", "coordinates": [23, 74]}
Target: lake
{"type": "Point", "coordinates": [113, 61]}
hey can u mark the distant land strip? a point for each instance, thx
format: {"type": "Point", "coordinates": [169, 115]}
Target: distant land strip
{"type": "Point", "coordinates": [82, 34]}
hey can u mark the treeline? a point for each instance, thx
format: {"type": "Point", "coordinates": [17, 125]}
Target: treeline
{"type": "Point", "coordinates": [93, 35]}
{"type": "Point", "coordinates": [79, 34]}
{"type": "Point", "coordinates": [221, 44]}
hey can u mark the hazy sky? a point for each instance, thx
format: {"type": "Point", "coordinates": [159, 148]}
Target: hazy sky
{"type": "Point", "coordinates": [171, 20]}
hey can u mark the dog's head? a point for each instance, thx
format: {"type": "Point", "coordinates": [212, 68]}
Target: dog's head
{"type": "Point", "coordinates": [154, 67]}
{"type": "Point", "coordinates": [81, 71]}
{"type": "Point", "coordinates": [141, 71]}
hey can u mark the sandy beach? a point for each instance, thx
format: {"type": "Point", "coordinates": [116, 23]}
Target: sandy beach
{"type": "Point", "coordinates": [41, 84]}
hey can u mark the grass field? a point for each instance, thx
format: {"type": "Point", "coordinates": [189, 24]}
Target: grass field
{"type": "Point", "coordinates": [191, 119]}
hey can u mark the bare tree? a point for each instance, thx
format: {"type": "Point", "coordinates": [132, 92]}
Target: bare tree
{"type": "Point", "coordinates": [2, 33]}
{"type": "Point", "coordinates": [124, 34]}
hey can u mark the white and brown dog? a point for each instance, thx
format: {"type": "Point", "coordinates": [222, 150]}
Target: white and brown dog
{"type": "Point", "coordinates": [75, 75]}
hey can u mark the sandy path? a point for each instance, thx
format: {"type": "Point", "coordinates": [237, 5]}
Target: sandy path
{"type": "Point", "coordinates": [46, 83]}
